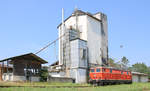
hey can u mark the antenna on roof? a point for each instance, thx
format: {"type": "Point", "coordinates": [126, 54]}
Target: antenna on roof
{"type": "Point", "coordinates": [76, 8]}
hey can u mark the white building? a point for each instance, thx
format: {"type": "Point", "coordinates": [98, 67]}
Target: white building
{"type": "Point", "coordinates": [139, 77]}
{"type": "Point", "coordinates": [83, 43]}
{"type": "Point", "coordinates": [93, 29]}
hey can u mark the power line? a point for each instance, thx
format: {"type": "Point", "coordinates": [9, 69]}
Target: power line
{"type": "Point", "coordinates": [49, 44]}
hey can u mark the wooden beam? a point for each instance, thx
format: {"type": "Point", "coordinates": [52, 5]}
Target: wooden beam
{"type": "Point", "coordinates": [7, 67]}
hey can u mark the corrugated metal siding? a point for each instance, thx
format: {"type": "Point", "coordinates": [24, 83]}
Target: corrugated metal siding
{"type": "Point", "coordinates": [77, 52]}
{"type": "Point", "coordinates": [78, 63]}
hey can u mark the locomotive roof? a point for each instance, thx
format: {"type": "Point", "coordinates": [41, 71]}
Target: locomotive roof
{"type": "Point", "coordinates": [110, 68]}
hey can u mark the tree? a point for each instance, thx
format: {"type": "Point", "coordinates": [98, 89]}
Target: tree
{"type": "Point", "coordinates": [44, 74]}
{"type": "Point", "coordinates": [124, 62]}
{"type": "Point", "coordinates": [111, 62]}
{"type": "Point", "coordinates": [140, 67]}
{"type": "Point", "coordinates": [148, 72]}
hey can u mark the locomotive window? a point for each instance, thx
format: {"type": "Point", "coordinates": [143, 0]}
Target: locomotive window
{"type": "Point", "coordinates": [103, 70]}
{"type": "Point", "coordinates": [121, 72]}
{"type": "Point", "coordinates": [97, 70]}
{"type": "Point", "coordinates": [110, 70]}
{"type": "Point", "coordinates": [127, 73]}
{"type": "Point", "coordinates": [92, 70]}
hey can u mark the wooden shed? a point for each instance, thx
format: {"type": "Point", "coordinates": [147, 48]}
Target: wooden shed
{"type": "Point", "coordinates": [21, 68]}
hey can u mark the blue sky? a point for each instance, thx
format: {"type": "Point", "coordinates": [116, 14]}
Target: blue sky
{"type": "Point", "coordinates": [28, 25]}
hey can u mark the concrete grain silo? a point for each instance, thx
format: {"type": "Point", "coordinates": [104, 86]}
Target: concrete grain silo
{"type": "Point", "coordinates": [83, 43]}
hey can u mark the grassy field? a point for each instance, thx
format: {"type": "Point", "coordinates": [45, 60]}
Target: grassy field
{"type": "Point", "coordinates": [123, 87]}
{"type": "Point", "coordinates": [47, 84]}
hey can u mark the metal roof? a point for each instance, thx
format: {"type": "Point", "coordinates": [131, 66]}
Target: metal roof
{"type": "Point", "coordinates": [29, 56]}
{"type": "Point", "coordinates": [138, 73]}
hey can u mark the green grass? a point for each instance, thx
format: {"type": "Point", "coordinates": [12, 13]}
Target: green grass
{"type": "Point", "coordinates": [123, 87]}
{"type": "Point", "coordinates": [39, 84]}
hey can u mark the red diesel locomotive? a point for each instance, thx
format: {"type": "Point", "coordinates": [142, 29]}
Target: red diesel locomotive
{"type": "Point", "coordinates": [106, 75]}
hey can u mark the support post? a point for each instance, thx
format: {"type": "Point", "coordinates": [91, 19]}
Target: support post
{"type": "Point", "coordinates": [7, 67]}
{"type": "Point", "coordinates": [2, 69]}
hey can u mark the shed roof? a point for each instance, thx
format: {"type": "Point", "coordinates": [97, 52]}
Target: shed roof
{"type": "Point", "coordinates": [138, 73]}
{"type": "Point", "coordinates": [29, 56]}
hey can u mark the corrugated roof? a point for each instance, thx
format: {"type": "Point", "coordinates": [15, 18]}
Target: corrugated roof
{"type": "Point", "coordinates": [138, 73]}
{"type": "Point", "coordinates": [29, 56]}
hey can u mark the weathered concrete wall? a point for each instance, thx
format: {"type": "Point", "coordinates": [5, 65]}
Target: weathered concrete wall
{"type": "Point", "coordinates": [78, 53]}
{"type": "Point", "coordinates": [7, 77]}
{"type": "Point", "coordinates": [94, 41]}
{"type": "Point", "coordinates": [144, 78]}
{"type": "Point", "coordinates": [57, 74]}
{"type": "Point", "coordinates": [79, 61]}
{"type": "Point", "coordinates": [23, 78]}
{"type": "Point", "coordinates": [104, 36]}
{"type": "Point", "coordinates": [82, 27]}
{"type": "Point", "coordinates": [139, 78]}
{"type": "Point", "coordinates": [19, 78]}
{"type": "Point", "coordinates": [79, 74]}
{"type": "Point", "coordinates": [60, 79]}
{"type": "Point", "coordinates": [95, 33]}
{"type": "Point", "coordinates": [135, 78]}
{"type": "Point", "coordinates": [35, 79]}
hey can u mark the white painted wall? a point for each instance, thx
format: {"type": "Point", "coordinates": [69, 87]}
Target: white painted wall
{"type": "Point", "coordinates": [144, 78]}
{"type": "Point", "coordinates": [57, 74]}
{"type": "Point", "coordinates": [78, 63]}
{"type": "Point", "coordinates": [7, 76]}
{"type": "Point", "coordinates": [11, 77]}
{"type": "Point", "coordinates": [97, 37]}
{"type": "Point", "coordinates": [94, 40]}
{"type": "Point", "coordinates": [72, 22]}
{"type": "Point", "coordinates": [35, 79]}
{"type": "Point", "coordinates": [77, 47]}
{"type": "Point", "coordinates": [135, 78]}
{"type": "Point", "coordinates": [19, 78]}
{"type": "Point", "coordinates": [139, 78]}
{"type": "Point", "coordinates": [79, 75]}
{"type": "Point", "coordinates": [23, 78]}
{"type": "Point", "coordinates": [91, 31]}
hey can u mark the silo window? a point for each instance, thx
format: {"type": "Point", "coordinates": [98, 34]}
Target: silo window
{"type": "Point", "coordinates": [83, 54]}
